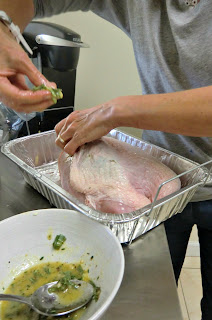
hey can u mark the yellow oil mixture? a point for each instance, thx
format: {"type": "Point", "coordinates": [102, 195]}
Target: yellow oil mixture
{"type": "Point", "coordinates": [31, 279]}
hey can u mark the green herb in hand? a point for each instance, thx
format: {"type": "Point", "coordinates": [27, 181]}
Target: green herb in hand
{"type": "Point", "coordinates": [56, 93]}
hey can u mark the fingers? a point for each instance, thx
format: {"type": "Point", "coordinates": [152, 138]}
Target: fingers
{"type": "Point", "coordinates": [14, 60]}
{"type": "Point", "coordinates": [70, 138]}
{"type": "Point", "coordinates": [73, 145]}
{"type": "Point", "coordinates": [63, 130]}
{"type": "Point", "coordinates": [19, 81]}
{"type": "Point", "coordinates": [14, 65]}
{"type": "Point", "coordinates": [59, 126]}
{"type": "Point", "coordinates": [60, 142]}
{"type": "Point", "coordinates": [81, 136]}
{"type": "Point", "coordinates": [63, 125]}
{"type": "Point", "coordinates": [81, 127]}
{"type": "Point", "coordinates": [22, 100]}
{"type": "Point", "coordinates": [38, 107]}
{"type": "Point", "coordinates": [66, 128]}
{"type": "Point", "coordinates": [27, 68]}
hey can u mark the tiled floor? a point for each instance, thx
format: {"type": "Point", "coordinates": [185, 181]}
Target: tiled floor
{"type": "Point", "coordinates": [190, 289]}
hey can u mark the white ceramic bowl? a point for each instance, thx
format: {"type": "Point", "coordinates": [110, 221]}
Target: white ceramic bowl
{"type": "Point", "coordinates": [24, 240]}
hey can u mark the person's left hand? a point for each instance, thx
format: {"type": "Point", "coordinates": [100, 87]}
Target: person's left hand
{"type": "Point", "coordinates": [84, 126]}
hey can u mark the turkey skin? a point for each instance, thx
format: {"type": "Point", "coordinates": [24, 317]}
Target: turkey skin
{"type": "Point", "coordinates": [112, 176]}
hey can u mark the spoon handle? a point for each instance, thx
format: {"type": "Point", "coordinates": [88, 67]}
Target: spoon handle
{"type": "Point", "coordinates": [11, 297]}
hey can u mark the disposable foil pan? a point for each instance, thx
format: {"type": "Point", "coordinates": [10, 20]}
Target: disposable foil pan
{"type": "Point", "coordinates": [37, 155]}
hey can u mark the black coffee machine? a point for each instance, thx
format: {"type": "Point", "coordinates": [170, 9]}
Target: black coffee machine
{"type": "Point", "coordinates": [56, 52]}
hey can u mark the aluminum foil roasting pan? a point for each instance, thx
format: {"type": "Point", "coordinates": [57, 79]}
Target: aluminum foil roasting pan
{"type": "Point", "coordinates": [37, 155]}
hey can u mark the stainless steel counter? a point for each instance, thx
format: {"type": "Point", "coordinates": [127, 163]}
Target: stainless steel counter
{"type": "Point", "coordinates": [148, 290]}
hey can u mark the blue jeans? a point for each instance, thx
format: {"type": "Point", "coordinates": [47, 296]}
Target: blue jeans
{"type": "Point", "coordinates": [178, 230]}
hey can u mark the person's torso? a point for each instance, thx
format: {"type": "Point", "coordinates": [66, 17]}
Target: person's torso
{"type": "Point", "coordinates": [172, 45]}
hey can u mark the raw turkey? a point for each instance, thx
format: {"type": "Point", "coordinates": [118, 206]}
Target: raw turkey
{"type": "Point", "coordinates": [112, 176]}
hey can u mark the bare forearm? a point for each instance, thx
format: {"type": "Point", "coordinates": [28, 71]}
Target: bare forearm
{"type": "Point", "coordinates": [186, 112]}
{"type": "Point", "coordinates": [21, 11]}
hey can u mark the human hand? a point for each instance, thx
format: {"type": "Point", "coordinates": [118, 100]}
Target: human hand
{"type": "Point", "coordinates": [84, 126]}
{"type": "Point", "coordinates": [14, 65]}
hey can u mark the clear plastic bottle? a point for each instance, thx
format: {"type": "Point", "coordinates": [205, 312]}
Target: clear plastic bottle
{"type": "Point", "coordinates": [11, 123]}
{"type": "Point", "coordinates": [25, 116]}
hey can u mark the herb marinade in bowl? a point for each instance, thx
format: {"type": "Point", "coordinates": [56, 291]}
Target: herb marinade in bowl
{"type": "Point", "coordinates": [58, 245]}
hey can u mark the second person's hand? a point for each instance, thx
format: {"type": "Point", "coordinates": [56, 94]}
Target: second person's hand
{"type": "Point", "coordinates": [84, 126]}
{"type": "Point", "coordinates": [14, 65]}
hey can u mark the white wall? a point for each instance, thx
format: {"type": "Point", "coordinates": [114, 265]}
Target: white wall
{"type": "Point", "coordinates": [107, 69]}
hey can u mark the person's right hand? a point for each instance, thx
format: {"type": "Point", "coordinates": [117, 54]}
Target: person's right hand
{"type": "Point", "coordinates": [14, 65]}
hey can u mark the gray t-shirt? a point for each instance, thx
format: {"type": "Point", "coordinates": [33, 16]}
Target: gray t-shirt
{"type": "Point", "coordinates": [172, 46]}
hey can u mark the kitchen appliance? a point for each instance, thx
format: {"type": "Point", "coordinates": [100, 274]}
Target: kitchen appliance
{"type": "Point", "coordinates": [56, 52]}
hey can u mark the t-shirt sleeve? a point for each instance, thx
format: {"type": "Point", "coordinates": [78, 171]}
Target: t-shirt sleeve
{"type": "Point", "coordinates": [114, 11]}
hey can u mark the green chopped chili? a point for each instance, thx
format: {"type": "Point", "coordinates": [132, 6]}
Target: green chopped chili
{"type": "Point", "coordinates": [58, 241]}
{"type": "Point", "coordinates": [56, 93]}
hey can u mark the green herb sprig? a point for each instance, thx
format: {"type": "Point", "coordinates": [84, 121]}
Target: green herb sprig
{"type": "Point", "coordinates": [56, 93]}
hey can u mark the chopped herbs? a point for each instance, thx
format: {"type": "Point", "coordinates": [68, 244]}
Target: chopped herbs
{"type": "Point", "coordinates": [31, 279]}
{"type": "Point", "coordinates": [58, 241]}
{"type": "Point", "coordinates": [47, 270]}
{"type": "Point", "coordinates": [41, 258]}
{"type": "Point", "coordinates": [56, 93]}
{"type": "Point", "coordinates": [97, 290]}
{"type": "Point", "coordinates": [80, 271]}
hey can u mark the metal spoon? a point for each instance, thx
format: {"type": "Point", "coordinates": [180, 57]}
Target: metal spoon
{"type": "Point", "coordinates": [48, 304]}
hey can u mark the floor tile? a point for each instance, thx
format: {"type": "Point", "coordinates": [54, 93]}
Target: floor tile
{"type": "Point", "coordinates": [194, 234]}
{"type": "Point", "coordinates": [182, 302]}
{"type": "Point", "coordinates": [192, 291]}
{"type": "Point", "coordinates": [192, 263]}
